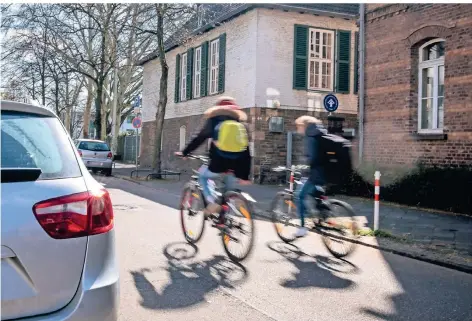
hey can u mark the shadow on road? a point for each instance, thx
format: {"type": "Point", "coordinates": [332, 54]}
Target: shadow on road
{"type": "Point", "coordinates": [190, 281]}
{"type": "Point", "coordinates": [313, 271]}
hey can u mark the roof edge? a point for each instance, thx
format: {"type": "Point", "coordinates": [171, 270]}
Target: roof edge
{"type": "Point", "coordinates": [224, 17]}
{"type": "Point", "coordinates": [242, 9]}
{"type": "Point", "coordinates": [289, 7]}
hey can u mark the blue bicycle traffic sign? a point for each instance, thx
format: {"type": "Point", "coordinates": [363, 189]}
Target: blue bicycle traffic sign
{"type": "Point", "coordinates": [137, 101]}
{"type": "Point", "coordinates": [330, 102]}
{"type": "Point", "coordinates": [137, 122]}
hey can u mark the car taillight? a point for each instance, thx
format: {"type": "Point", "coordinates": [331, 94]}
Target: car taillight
{"type": "Point", "coordinates": [80, 153]}
{"type": "Point", "coordinates": [76, 215]}
{"type": "Point", "coordinates": [110, 155]}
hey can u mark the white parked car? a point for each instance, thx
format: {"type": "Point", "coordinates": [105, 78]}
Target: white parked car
{"type": "Point", "coordinates": [58, 240]}
{"type": "Point", "coordinates": [96, 155]}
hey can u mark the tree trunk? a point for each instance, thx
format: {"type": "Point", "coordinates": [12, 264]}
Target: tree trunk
{"type": "Point", "coordinates": [162, 104]}
{"type": "Point", "coordinates": [98, 109]}
{"type": "Point", "coordinates": [56, 96]}
{"type": "Point", "coordinates": [88, 108]}
{"type": "Point", "coordinates": [104, 119]}
{"type": "Point", "coordinates": [159, 123]}
{"type": "Point", "coordinates": [116, 125]}
{"type": "Point", "coordinates": [67, 122]}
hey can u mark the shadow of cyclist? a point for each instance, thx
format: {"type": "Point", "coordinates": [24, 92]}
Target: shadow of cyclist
{"type": "Point", "coordinates": [190, 281]}
{"type": "Point", "coordinates": [314, 271]}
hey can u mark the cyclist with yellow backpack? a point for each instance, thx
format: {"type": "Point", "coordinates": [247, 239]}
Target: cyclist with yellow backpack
{"type": "Point", "coordinates": [229, 150]}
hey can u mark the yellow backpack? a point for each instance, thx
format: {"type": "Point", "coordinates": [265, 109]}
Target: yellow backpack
{"type": "Point", "coordinates": [232, 137]}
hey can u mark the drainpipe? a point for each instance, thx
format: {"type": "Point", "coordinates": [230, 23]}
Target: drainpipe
{"type": "Point", "coordinates": [361, 92]}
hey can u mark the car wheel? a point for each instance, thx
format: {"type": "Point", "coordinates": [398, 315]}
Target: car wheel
{"type": "Point", "coordinates": [108, 172]}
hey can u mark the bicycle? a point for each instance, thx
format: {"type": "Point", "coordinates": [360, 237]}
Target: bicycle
{"type": "Point", "coordinates": [323, 215]}
{"type": "Point", "coordinates": [235, 205]}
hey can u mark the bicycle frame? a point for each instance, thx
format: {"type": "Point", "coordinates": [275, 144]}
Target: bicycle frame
{"type": "Point", "coordinates": [219, 189]}
{"type": "Point", "coordinates": [293, 183]}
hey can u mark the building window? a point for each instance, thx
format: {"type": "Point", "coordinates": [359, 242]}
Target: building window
{"type": "Point", "coordinates": [214, 65]}
{"type": "Point", "coordinates": [183, 133]}
{"type": "Point", "coordinates": [321, 59]}
{"type": "Point", "coordinates": [431, 86]}
{"type": "Point", "coordinates": [183, 78]}
{"type": "Point", "coordinates": [197, 72]}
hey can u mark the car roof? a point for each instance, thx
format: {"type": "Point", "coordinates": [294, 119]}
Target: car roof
{"type": "Point", "coordinates": [25, 108]}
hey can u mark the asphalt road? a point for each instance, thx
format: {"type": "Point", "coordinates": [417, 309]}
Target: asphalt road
{"type": "Point", "coordinates": [164, 278]}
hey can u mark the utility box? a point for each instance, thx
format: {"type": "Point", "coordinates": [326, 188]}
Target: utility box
{"type": "Point", "coordinates": [276, 124]}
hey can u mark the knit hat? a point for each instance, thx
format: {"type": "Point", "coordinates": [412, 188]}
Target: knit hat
{"type": "Point", "coordinates": [305, 120]}
{"type": "Point", "coordinates": [227, 105]}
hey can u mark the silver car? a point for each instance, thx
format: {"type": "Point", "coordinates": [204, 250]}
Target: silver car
{"type": "Point", "coordinates": [58, 240]}
{"type": "Point", "coordinates": [96, 155]}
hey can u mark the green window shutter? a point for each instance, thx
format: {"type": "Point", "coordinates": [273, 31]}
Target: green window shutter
{"type": "Point", "coordinates": [204, 71]}
{"type": "Point", "coordinates": [356, 63]}
{"type": "Point", "coordinates": [189, 73]}
{"type": "Point", "coordinates": [222, 63]}
{"type": "Point", "coordinates": [343, 55]}
{"type": "Point", "coordinates": [300, 58]}
{"type": "Point", "coordinates": [177, 79]}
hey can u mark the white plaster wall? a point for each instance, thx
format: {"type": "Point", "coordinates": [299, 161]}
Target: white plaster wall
{"type": "Point", "coordinates": [240, 81]}
{"type": "Point", "coordinates": [275, 39]}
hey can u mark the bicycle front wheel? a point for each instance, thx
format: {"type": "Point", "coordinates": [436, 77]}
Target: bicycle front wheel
{"type": "Point", "coordinates": [338, 228]}
{"type": "Point", "coordinates": [238, 237]}
{"type": "Point", "coordinates": [284, 216]}
{"type": "Point", "coordinates": [191, 213]}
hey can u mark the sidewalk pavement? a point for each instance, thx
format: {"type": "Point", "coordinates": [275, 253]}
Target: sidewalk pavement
{"type": "Point", "coordinates": [440, 230]}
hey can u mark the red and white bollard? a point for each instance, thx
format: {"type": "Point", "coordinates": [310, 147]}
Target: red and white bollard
{"type": "Point", "coordinates": [292, 177]}
{"type": "Point", "coordinates": [377, 199]}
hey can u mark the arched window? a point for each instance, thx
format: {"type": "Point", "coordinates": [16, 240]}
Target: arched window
{"type": "Point", "coordinates": [183, 133]}
{"type": "Point", "coordinates": [431, 86]}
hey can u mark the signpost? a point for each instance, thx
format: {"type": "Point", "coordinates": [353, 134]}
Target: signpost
{"type": "Point", "coordinates": [331, 103]}
{"type": "Point", "coordinates": [137, 122]}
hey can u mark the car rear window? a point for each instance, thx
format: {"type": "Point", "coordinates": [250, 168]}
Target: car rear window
{"type": "Point", "coordinates": [94, 146]}
{"type": "Point", "coordinates": [34, 141]}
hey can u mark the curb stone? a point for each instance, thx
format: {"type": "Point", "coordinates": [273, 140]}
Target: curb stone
{"type": "Point", "coordinates": [449, 265]}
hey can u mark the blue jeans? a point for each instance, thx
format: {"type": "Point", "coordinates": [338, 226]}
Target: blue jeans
{"type": "Point", "coordinates": [307, 189]}
{"type": "Point", "coordinates": [229, 180]}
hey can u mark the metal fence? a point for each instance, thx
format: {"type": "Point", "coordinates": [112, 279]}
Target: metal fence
{"type": "Point", "coordinates": [129, 148]}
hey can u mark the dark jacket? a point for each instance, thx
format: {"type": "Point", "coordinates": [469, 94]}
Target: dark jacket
{"type": "Point", "coordinates": [313, 133]}
{"type": "Point", "coordinates": [220, 162]}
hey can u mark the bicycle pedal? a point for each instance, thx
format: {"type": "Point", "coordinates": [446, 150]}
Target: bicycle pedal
{"type": "Point", "coordinates": [218, 225]}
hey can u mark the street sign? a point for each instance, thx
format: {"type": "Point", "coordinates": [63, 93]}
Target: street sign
{"type": "Point", "coordinates": [137, 122]}
{"type": "Point", "coordinates": [137, 101]}
{"type": "Point", "coordinates": [330, 102]}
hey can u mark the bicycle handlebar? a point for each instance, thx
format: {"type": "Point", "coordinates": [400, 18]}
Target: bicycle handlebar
{"type": "Point", "coordinates": [296, 168]}
{"type": "Point", "coordinates": [198, 157]}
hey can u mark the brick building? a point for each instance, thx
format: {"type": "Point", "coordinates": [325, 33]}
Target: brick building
{"type": "Point", "coordinates": [293, 54]}
{"type": "Point", "coordinates": [418, 82]}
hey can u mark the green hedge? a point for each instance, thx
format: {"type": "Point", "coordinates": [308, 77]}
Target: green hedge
{"type": "Point", "coordinates": [448, 189]}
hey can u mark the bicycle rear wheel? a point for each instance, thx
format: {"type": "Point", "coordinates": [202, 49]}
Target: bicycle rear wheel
{"type": "Point", "coordinates": [338, 228]}
{"type": "Point", "coordinates": [191, 213]}
{"type": "Point", "coordinates": [238, 237]}
{"type": "Point", "coordinates": [284, 216]}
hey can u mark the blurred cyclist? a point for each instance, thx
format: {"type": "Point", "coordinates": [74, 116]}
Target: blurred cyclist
{"type": "Point", "coordinates": [312, 129]}
{"type": "Point", "coordinates": [229, 150]}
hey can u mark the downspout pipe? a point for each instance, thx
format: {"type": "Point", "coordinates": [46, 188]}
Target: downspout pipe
{"type": "Point", "coordinates": [361, 93]}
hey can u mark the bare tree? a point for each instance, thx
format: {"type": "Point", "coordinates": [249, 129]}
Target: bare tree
{"type": "Point", "coordinates": [167, 23]}
{"type": "Point", "coordinates": [27, 59]}
{"type": "Point", "coordinates": [85, 26]}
